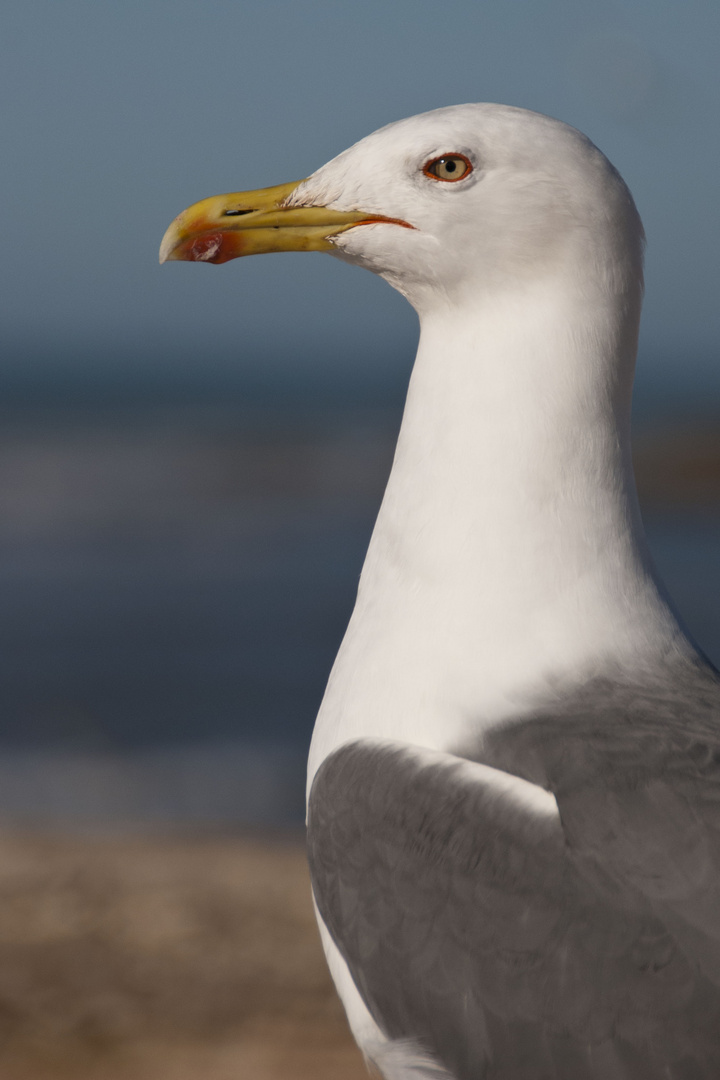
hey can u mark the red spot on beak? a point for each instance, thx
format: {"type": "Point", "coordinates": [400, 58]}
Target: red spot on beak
{"type": "Point", "coordinates": [213, 247]}
{"type": "Point", "coordinates": [205, 248]}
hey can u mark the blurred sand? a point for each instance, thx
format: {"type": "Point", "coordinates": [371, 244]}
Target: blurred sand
{"type": "Point", "coordinates": [163, 959]}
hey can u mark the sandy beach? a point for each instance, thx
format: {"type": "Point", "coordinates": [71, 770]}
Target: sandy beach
{"type": "Point", "coordinates": [152, 958]}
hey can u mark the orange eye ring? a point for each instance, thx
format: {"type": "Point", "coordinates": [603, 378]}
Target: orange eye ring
{"type": "Point", "coordinates": [448, 168]}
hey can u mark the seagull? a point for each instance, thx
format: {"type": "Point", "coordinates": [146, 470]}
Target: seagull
{"type": "Point", "coordinates": [514, 778]}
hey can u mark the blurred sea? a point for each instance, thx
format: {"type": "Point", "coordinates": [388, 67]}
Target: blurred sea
{"type": "Point", "coordinates": [175, 583]}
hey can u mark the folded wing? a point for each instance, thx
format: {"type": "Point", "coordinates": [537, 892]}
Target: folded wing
{"type": "Point", "coordinates": [518, 937]}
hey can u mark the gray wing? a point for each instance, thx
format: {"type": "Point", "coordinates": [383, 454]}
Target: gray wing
{"type": "Point", "coordinates": [517, 945]}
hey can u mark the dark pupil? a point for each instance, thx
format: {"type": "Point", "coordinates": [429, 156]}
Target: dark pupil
{"type": "Point", "coordinates": [450, 165]}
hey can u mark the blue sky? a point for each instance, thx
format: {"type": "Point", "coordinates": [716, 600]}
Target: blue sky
{"type": "Point", "coordinates": [117, 115]}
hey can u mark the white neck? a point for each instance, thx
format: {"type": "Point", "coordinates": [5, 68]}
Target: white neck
{"type": "Point", "coordinates": [508, 550]}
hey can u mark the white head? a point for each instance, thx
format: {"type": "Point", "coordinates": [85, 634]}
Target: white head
{"type": "Point", "coordinates": [487, 210]}
{"type": "Point", "coordinates": [528, 196]}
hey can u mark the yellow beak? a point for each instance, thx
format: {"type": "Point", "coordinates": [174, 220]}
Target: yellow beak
{"type": "Point", "coordinates": [225, 227]}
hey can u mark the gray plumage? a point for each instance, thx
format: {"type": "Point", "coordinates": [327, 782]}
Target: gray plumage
{"type": "Point", "coordinates": [516, 946]}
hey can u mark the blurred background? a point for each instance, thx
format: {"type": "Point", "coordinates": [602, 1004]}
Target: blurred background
{"type": "Point", "coordinates": [191, 457]}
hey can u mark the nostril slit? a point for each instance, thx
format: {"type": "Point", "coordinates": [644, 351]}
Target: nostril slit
{"type": "Point", "coordinates": [236, 213]}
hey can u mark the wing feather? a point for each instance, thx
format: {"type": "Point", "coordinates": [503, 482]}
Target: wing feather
{"type": "Point", "coordinates": [513, 942]}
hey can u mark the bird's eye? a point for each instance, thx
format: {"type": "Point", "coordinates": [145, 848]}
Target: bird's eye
{"type": "Point", "coordinates": [448, 167]}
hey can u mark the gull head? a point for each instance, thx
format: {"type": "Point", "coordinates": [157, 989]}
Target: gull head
{"type": "Point", "coordinates": [462, 200]}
